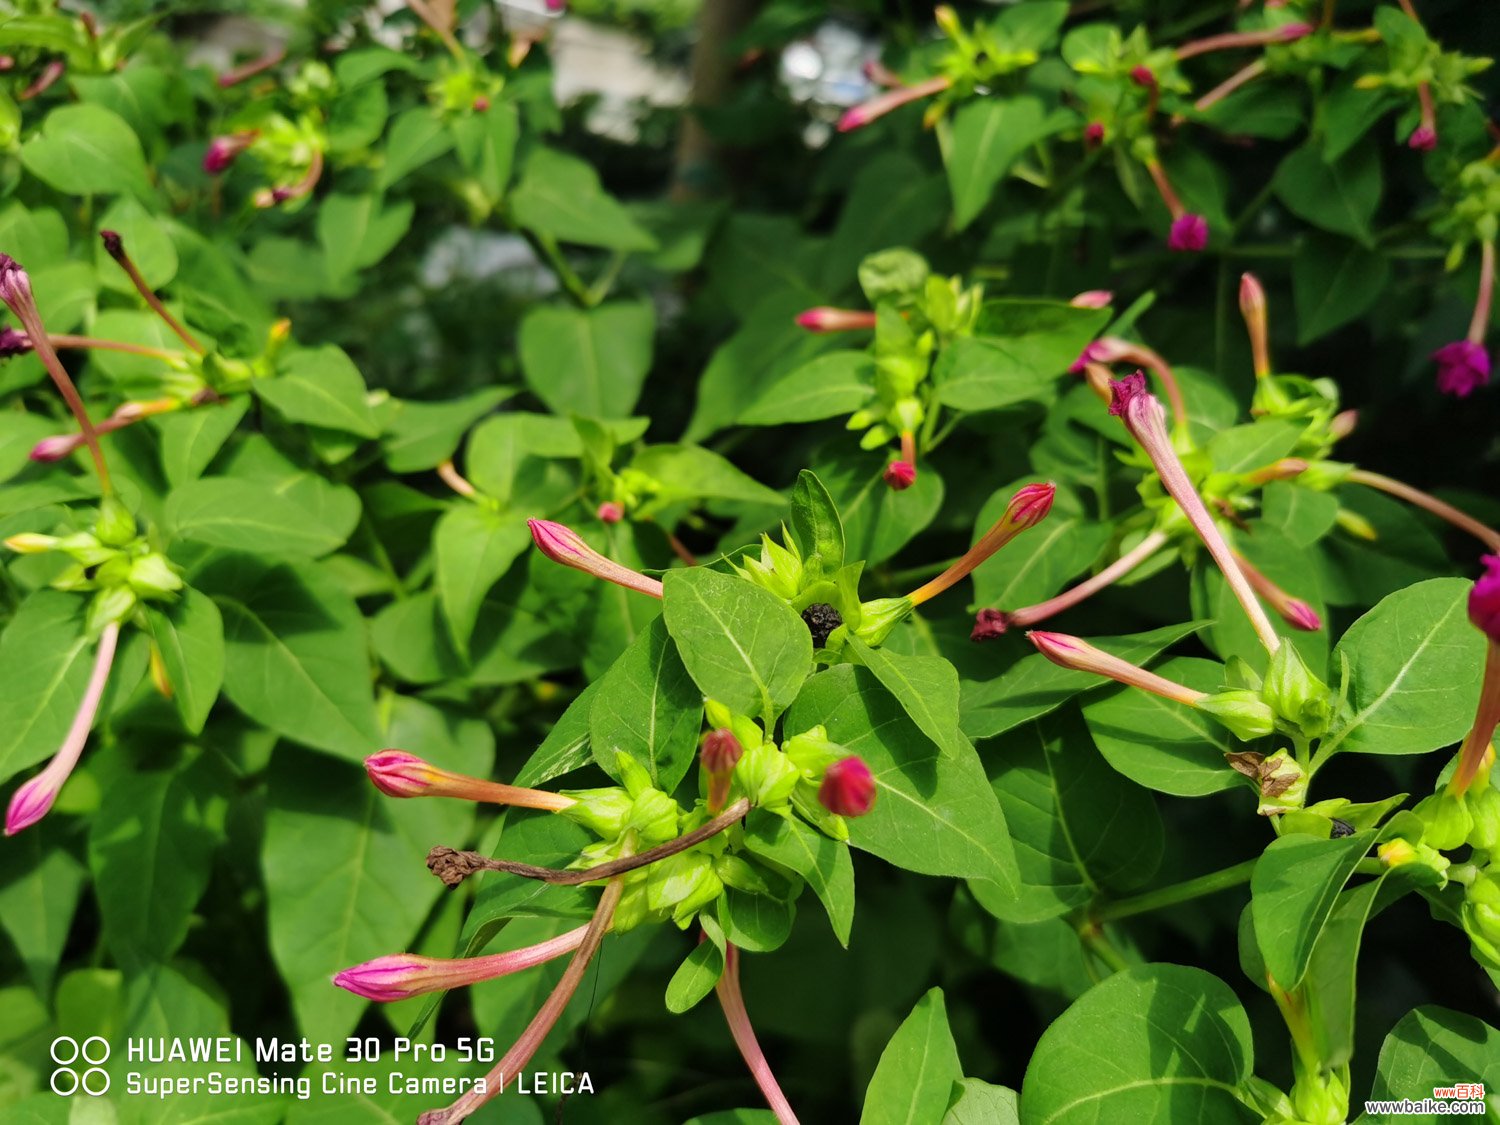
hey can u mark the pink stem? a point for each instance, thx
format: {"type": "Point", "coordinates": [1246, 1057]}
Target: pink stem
{"type": "Point", "coordinates": [238, 74]}
{"type": "Point", "coordinates": [1231, 84]}
{"type": "Point", "coordinates": [733, 1003]}
{"type": "Point", "coordinates": [1481, 320]}
{"type": "Point", "coordinates": [1030, 615]}
{"type": "Point", "coordinates": [1444, 511]}
{"type": "Point", "coordinates": [111, 346]}
{"type": "Point", "coordinates": [1471, 754]}
{"type": "Point", "coordinates": [1164, 188]}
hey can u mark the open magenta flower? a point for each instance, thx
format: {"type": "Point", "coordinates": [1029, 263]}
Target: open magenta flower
{"type": "Point", "coordinates": [401, 976]}
{"type": "Point", "coordinates": [399, 774]}
{"type": "Point", "coordinates": [824, 318]}
{"type": "Point", "coordinates": [1484, 600]}
{"type": "Point", "coordinates": [1423, 138]}
{"type": "Point", "coordinates": [563, 545]}
{"type": "Point", "coordinates": [899, 475]}
{"type": "Point", "coordinates": [848, 788]}
{"type": "Point", "coordinates": [1189, 233]}
{"type": "Point", "coordinates": [1484, 612]}
{"type": "Point", "coordinates": [1463, 367]}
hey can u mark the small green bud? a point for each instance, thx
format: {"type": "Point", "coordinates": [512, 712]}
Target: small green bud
{"type": "Point", "coordinates": [678, 879]}
{"type": "Point", "coordinates": [1446, 821]}
{"type": "Point", "coordinates": [734, 871]}
{"type": "Point", "coordinates": [152, 576]}
{"type": "Point", "coordinates": [811, 809]}
{"type": "Point", "coordinates": [877, 618]}
{"type": "Point", "coordinates": [85, 548]}
{"type": "Point", "coordinates": [633, 775]}
{"type": "Point", "coordinates": [813, 751]}
{"type": "Point", "coordinates": [654, 816]}
{"type": "Point", "coordinates": [1400, 852]}
{"type": "Point", "coordinates": [1480, 914]}
{"type": "Point", "coordinates": [1484, 808]}
{"type": "Point", "coordinates": [633, 908]}
{"type": "Point", "coordinates": [602, 811]}
{"type": "Point", "coordinates": [112, 605]}
{"type": "Point", "coordinates": [115, 526]}
{"type": "Point", "coordinates": [766, 776]}
{"type": "Point", "coordinates": [1246, 715]}
{"type": "Point", "coordinates": [1302, 703]}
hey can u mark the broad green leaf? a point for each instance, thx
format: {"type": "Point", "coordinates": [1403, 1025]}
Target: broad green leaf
{"type": "Point", "coordinates": [753, 922]}
{"type": "Point", "coordinates": [934, 813]}
{"type": "Point", "coordinates": [1412, 681]}
{"type": "Point", "coordinates": [816, 527]}
{"type": "Point", "coordinates": [1432, 1047]}
{"type": "Point", "coordinates": [699, 972]}
{"type": "Point", "coordinates": [1019, 349]}
{"type": "Point", "coordinates": [925, 686]}
{"type": "Point", "coordinates": [1160, 1043]}
{"type": "Point", "coordinates": [823, 862]}
{"type": "Point", "coordinates": [473, 547]}
{"type": "Point", "coordinates": [421, 435]}
{"type": "Point", "coordinates": [915, 1076]}
{"type": "Point", "coordinates": [1033, 686]}
{"type": "Point", "coordinates": [648, 706]}
{"type": "Point", "coordinates": [979, 1103]}
{"type": "Point", "coordinates": [559, 197]}
{"type": "Point", "coordinates": [295, 653]}
{"type": "Point", "coordinates": [1339, 196]}
{"type": "Point", "coordinates": [566, 747]}
{"type": "Point", "coordinates": [1331, 973]}
{"type": "Point", "coordinates": [487, 146]}
{"type": "Point", "coordinates": [1293, 889]}
{"type": "Point", "coordinates": [588, 361]}
{"type": "Point", "coordinates": [1333, 282]}
{"type": "Point", "coordinates": [741, 644]}
{"type": "Point", "coordinates": [877, 521]}
{"type": "Point", "coordinates": [416, 137]}
{"type": "Point", "coordinates": [1242, 448]}
{"type": "Point", "coordinates": [321, 387]}
{"type": "Point", "coordinates": [87, 150]}
{"type": "Point", "coordinates": [988, 135]}
{"type": "Point", "coordinates": [190, 439]}
{"type": "Point", "coordinates": [39, 888]}
{"type": "Point", "coordinates": [690, 472]}
{"type": "Point", "coordinates": [1406, 550]}
{"type": "Point", "coordinates": [45, 661]}
{"type": "Point", "coordinates": [1302, 515]}
{"type": "Point", "coordinates": [893, 199]}
{"type": "Point", "coordinates": [246, 515]}
{"type": "Point", "coordinates": [189, 635]}
{"type": "Point", "coordinates": [1161, 744]}
{"type": "Point", "coordinates": [357, 231]}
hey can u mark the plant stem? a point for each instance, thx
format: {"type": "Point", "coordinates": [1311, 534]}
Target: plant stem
{"type": "Point", "coordinates": [1485, 534]}
{"type": "Point", "coordinates": [1185, 891]}
{"type": "Point", "coordinates": [733, 1003]}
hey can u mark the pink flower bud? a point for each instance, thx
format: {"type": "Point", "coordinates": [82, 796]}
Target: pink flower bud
{"type": "Point", "coordinates": [1097, 352]}
{"type": "Point", "coordinates": [1484, 599]}
{"type": "Point", "coordinates": [563, 545]}
{"type": "Point", "coordinates": [1287, 33]}
{"type": "Point", "coordinates": [13, 343]}
{"type": "Point", "coordinates": [1027, 508]}
{"type": "Point", "coordinates": [1144, 77]}
{"type": "Point", "coordinates": [1093, 299]}
{"type": "Point", "coordinates": [1093, 134]}
{"type": "Point", "coordinates": [848, 788]}
{"type": "Point", "coordinates": [1343, 424]}
{"type": "Point", "coordinates": [610, 512]}
{"type": "Point", "coordinates": [989, 624]}
{"type": "Point", "coordinates": [399, 774]}
{"type": "Point", "coordinates": [1463, 367]}
{"type": "Point", "coordinates": [900, 475]}
{"type": "Point", "coordinates": [15, 285]}
{"type": "Point", "coordinates": [401, 976]}
{"type": "Point", "coordinates": [1189, 233]}
{"type": "Point", "coordinates": [879, 106]}
{"type": "Point", "coordinates": [556, 5]}
{"type": "Point", "coordinates": [222, 151]}
{"type": "Point", "coordinates": [1284, 469]}
{"type": "Point", "coordinates": [825, 319]}
{"type": "Point", "coordinates": [1299, 615]}
{"type": "Point", "coordinates": [481, 104]}
{"type": "Point", "coordinates": [721, 751]}
{"type": "Point", "coordinates": [1030, 505]}
{"type": "Point", "coordinates": [1424, 138]}
{"type": "Point", "coordinates": [55, 448]}
{"type": "Point", "coordinates": [1080, 656]}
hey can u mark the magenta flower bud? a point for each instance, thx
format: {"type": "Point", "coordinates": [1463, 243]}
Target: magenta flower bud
{"type": "Point", "coordinates": [879, 106]}
{"type": "Point", "coordinates": [1097, 352]}
{"type": "Point", "coordinates": [222, 151]}
{"type": "Point", "coordinates": [1343, 424]}
{"type": "Point", "coordinates": [1463, 367]}
{"type": "Point", "coordinates": [1093, 134]}
{"type": "Point", "coordinates": [563, 545]}
{"type": "Point", "coordinates": [15, 284]}
{"type": "Point", "coordinates": [721, 751]}
{"type": "Point", "coordinates": [989, 624]}
{"type": "Point", "coordinates": [825, 319]}
{"type": "Point", "coordinates": [1423, 139]}
{"type": "Point", "coordinates": [1030, 505]}
{"type": "Point", "coordinates": [1299, 615]}
{"type": "Point", "coordinates": [399, 774]}
{"type": "Point", "coordinates": [848, 788]}
{"type": "Point", "coordinates": [1027, 508]}
{"type": "Point", "coordinates": [1189, 233]}
{"type": "Point", "coordinates": [13, 343]}
{"type": "Point", "coordinates": [1484, 599]}
{"type": "Point", "coordinates": [481, 104]}
{"type": "Point", "coordinates": [1144, 77]}
{"type": "Point", "coordinates": [401, 976]}
{"type": "Point", "coordinates": [55, 448]}
{"type": "Point", "coordinates": [900, 475]}
{"type": "Point", "coordinates": [1093, 299]}
{"type": "Point", "coordinates": [1291, 32]}
{"type": "Point", "coordinates": [1078, 655]}
{"type": "Point", "coordinates": [610, 512]}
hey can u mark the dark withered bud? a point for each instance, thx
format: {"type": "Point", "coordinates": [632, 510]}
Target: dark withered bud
{"type": "Point", "coordinates": [1340, 829]}
{"type": "Point", "coordinates": [114, 245]}
{"type": "Point", "coordinates": [821, 620]}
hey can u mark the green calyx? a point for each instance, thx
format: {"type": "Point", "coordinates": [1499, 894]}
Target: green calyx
{"type": "Point", "coordinates": [1302, 704]}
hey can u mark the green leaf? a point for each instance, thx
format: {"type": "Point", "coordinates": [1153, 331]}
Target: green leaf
{"type": "Point", "coordinates": [356, 231]}
{"type": "Point", "coordinates": [1242, 448]}
{"type": "Point", "coordinates": [566, 747]}
{"type": "Point", "coordinates": [321, 387]}
{"type": "Point", "coordinates": [39, 888]}
{"type": "Point", "coordinates": [246, 515]}
{"type": "Point", "coordinates": [816, 527]}
{"type": "Point", "coordinates": [1293, 890]}
{"type": "Point", "coordinates": [934, 813]}
{"type": "Point", "coordinates": [421, 435]}
{"type": "Point", "coordinates": [472, 548]}
{"type": "Point", "coordinates": [741, 644]}
{"type": "Point", "coordinates": [1432, 1047]}
{"type": "Point", "coordinates": [87, 150]}
{"type": "Point", "coordinates": [295, 653]}
{"type": "Point", "coordinates": [1019, 349]}
{"type": "Point", "coordinates": [189, 635]}
{"type": "Point", "coordinates": [824, 387]}
{"type": "Point", "coordinates": [925, 686]}
{"type": "Point", "coordinates": [559, 197]}
{"type": "Point", "coordinates": [756, 923]}
{"type": "Point", "coordinates": [191, 439]}
{"type": "Point", "coordinates": [487, 146]}
{"type": "Point", "coordinates": [1339, 196]}
{"type": "Point", "coordinates": [648, 706]}
{"type": "Point", "coordinates": [979, 1103]}
{"type": "Point", "coordinates": [915, 1076]}
{"type": "Point", "coordinates": [1333, 282]}
{"type": "Point", "coordinates": [1411, 682]}
{"type": "Point", "coordinates": [822, 862]}
{"type": "Point", "coordinates": [1164, 745]}
{"type": "Point", "coordinates": [699, 972]}
{"type": "Point", "coordinates": [1331, 973]}
{"type": "Point", "coordinates": [988, 135]}
{"type": "Point", "coordinates": [1033, 685]}
{"type": "Point", "coordinates": [690, 472]}
{"type": "Point", "coordinates": [588, 361]}
{"type": "Point", "coordinates": [148, 244]}
{"type": "Point", "coordinates": [45, 660]}
{"type": "Point", "coordinates": [416, 137]}
{"type": "Point", "coordinates": [1160, 1043]}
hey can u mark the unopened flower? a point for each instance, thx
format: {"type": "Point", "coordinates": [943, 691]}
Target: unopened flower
{"type": "Point", "coordinates": [222, 151]}
{"type": "Point", "coordinates": [1096, 352]}
{"type": "Point", "coordinates": [848, 788]}
{"type": "Point", "coordinates": [1143, 76]}
{"type": "Point", "coordinates": [721, 750]}
{"type": "Point", "coordinates": [13, 343]}
{"type": "Point", "coordinates": [1294, 611]}
{"type": "Point", "coordinates": [610, 512]}
{"type": "Point", "coordinates": [1253, 309]}
{"type": "Point", "coordinates": [1484, 599]}
{"type": "Point", "coordinates": [401, 976]}
{"type": "Point", "coordinates": [826, 319]}
{"type": "Point", "coordinates": [1078, 655]}
{"type": "Point", "coordinates": [1092, 299]}
{"type": "Point", "coordinates": [1027, 508]}
{"type": "Point", "coordinates": [1463, 367]}
{"type": "Point", "coordinates": [1285, 468]}
{"type": "Point", "coordinates": [900, 475]}
{"type": "Point", "coordinates": [1286, 33]}
{"type": "Point", "coordinates": [1423, 138]}
{"type": "Point", "coordinates": [1484, 612]}
{"type": "Point", "coordinates": [1093, 134]}
{"type": "Point", "coordinates": [55, 448]}
{"type": "Point", "coordinates": [564, 545]}
{"type": "Point", "coordinates": [882, 104]}
{"type": "Point", "coordinates": [1189, 233]}
{"type": "Point", "coordinates": [1343, 424]}
{"type": "Point", "coordinates": [399, 774]}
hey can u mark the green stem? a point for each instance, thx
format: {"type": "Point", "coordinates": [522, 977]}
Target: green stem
{"type": "Point", "coordinates": [566, 275]}
{"type": "Point", "coordinates": [1185, 891]}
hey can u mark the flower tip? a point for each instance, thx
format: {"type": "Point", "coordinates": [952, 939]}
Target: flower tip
{"type": "Point", "coordinates": [1424, 138]}
{"type": "Point", "coordinates": [848, 788]}
{"type": "Point", "coordinates": [31, 802]}
{"type": "Point", "coordinates": [721, 751]}
{"type": "Point", "coordinates": [1093, 299]}
{"type": "Point", "coordinates": [1300, 615]}
{"type": "Point", "coordinates": [1463, 367]}
{"type": "Point", "coordinates": [1124, 392]}
{"type": "Point", "coordinates": [989, 624]}
{"type": "Point", "coordinates": [853, 119]}
{"type": "Point", "coordinates": [1343, 424]}
{"type": "Point", "coordinates": [399, 774]}
{"type": "Point", "coordinates": [1030, 505]}
{"type": "Point", "coordinates": [1484, 599]}
{"type": "Point", "coordinates": [1252, 294]}
{"type": "Point", "coordinates": [900, 475]}
{"type": "Point", "coordinates": [114, 245]}
{"type": "Point", "coordinates": [15, 285]}
{"type": "Point", "coordinates": [1293, 31]}
{"type": "Point", "coordinates": [1093, 133]}
{"type": "Point", "coordinates": [1051, 645]}
{"type": "Point", "coordinates": [54, 448]}
{"type": "Point", "coordinates": [1093, 353]}
{"type": "Point", "coordinates": [557, 541]}
{"type": "Point", "coordinates": [1143, 76]}
{"type": "Point", "coordinates": [1189, 233]}
{"type": "Point", "coordinates": [610, 512]}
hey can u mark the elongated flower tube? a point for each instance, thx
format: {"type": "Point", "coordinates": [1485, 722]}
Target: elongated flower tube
{"type": "Point", "coordinates": [1080, 656]}
{"type": "Point", "coordinates": [1093, 299]}
{"type": "Point", "coordinates": [1284, 468]}
{"type": "Point", "coordinates": [238, 74]}
{"type": "Point", "coordinates": [114, 245]}
{"type": "Point", "coordinates": [733, 1003]}
{"type": "Point", "coordinates": [563, 545]}
{"type": "Point", "coordinates": [1424, 137]}
{"type": "Point", "coordinates": [1246, 73]}
{"type": "Point", "coordinates": [1027, 508]}
{"type": "Point", "coordinates": [1464, 365]}
{"type": "Point", "coordinates": [1427, 502]}
{"type": "Point", "coordinates": [1484, 612]}
{"type": "Point", "coordinates": [1294, 611]}
{"type": "Point", "coordinates": [993, 622]}
{"type": "Point", "coordinates": [270, 197]}
{"type": "Point", "coordinates": [34, 799]}
{"type": "Point", "coordinates": [1286, 33]}
{"type": "Point", "coordinates": [827, 319]}
{"type": "Point", "coordinates": [542, 1023]}
{"type": "Point", "coordinates": [1143, 416]}
{"type": "Point", "coordinates": [1253, 309]}
{"type": "Point", "coordinates": [58, 446]}
{"type": "Point", "coordinates": [399, 774]}
{"type": "Point", "coordinates": [879, 106]}
{"type": "Point", "coordinates": [401, 976]}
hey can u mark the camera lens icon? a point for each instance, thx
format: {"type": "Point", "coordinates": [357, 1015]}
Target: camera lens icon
{"type": "Point", "coordinates": [79, 1066]}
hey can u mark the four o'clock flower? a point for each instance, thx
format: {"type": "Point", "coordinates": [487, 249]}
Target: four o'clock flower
{"type": "Point", "coordinates": [882, 104]}
{"type": "Point", "coordinates": [222, 151]}
{"type": "Point", "coordinates": [564, 545]}
{"type": "Point", "coordinates": [1093, 134]}
{"type": "Point", "coordinates": [13, 343]}
{"type": "Point", "coordinates": [401, 976]}
{"type": "Point", "coordinates": [721, 752]}
{"type": "Point", "coordinates": [610, 512]}
{"type": "Point", "coordinates": [1424, 137]}
{"type": "Point", "coordinates": [847, 788]}
{"type": "Point", "coordinates": [1143, 416]}
{"type": "Point", "coordinates": [399, 774]}
{"type": "Point", "coordinates": [1286, 33]}
{"type": "Point", "coordinates": [1093, 299]}
{"type": "Point", "coordinates": [34, 799]}
{"type": "Point", "coordinates": [1080, 656]}
{"type": "Point", "coordinates": [1464, 365]}
{"type": "Point", "coordinates": [1189, 232]}
{"type": "Point", "coordinates": [1294, 611]}
{"type": "Point", "coordinates": [826, 319]}
{"type": "Point", "coordinates": [1027, 508]}
{"type": "Point", "coordinates": [899, 475]}
{"type": "Point", "coordinates": [1253, 309]}
{"type": "Point", "coordinates": [1484, 612]}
